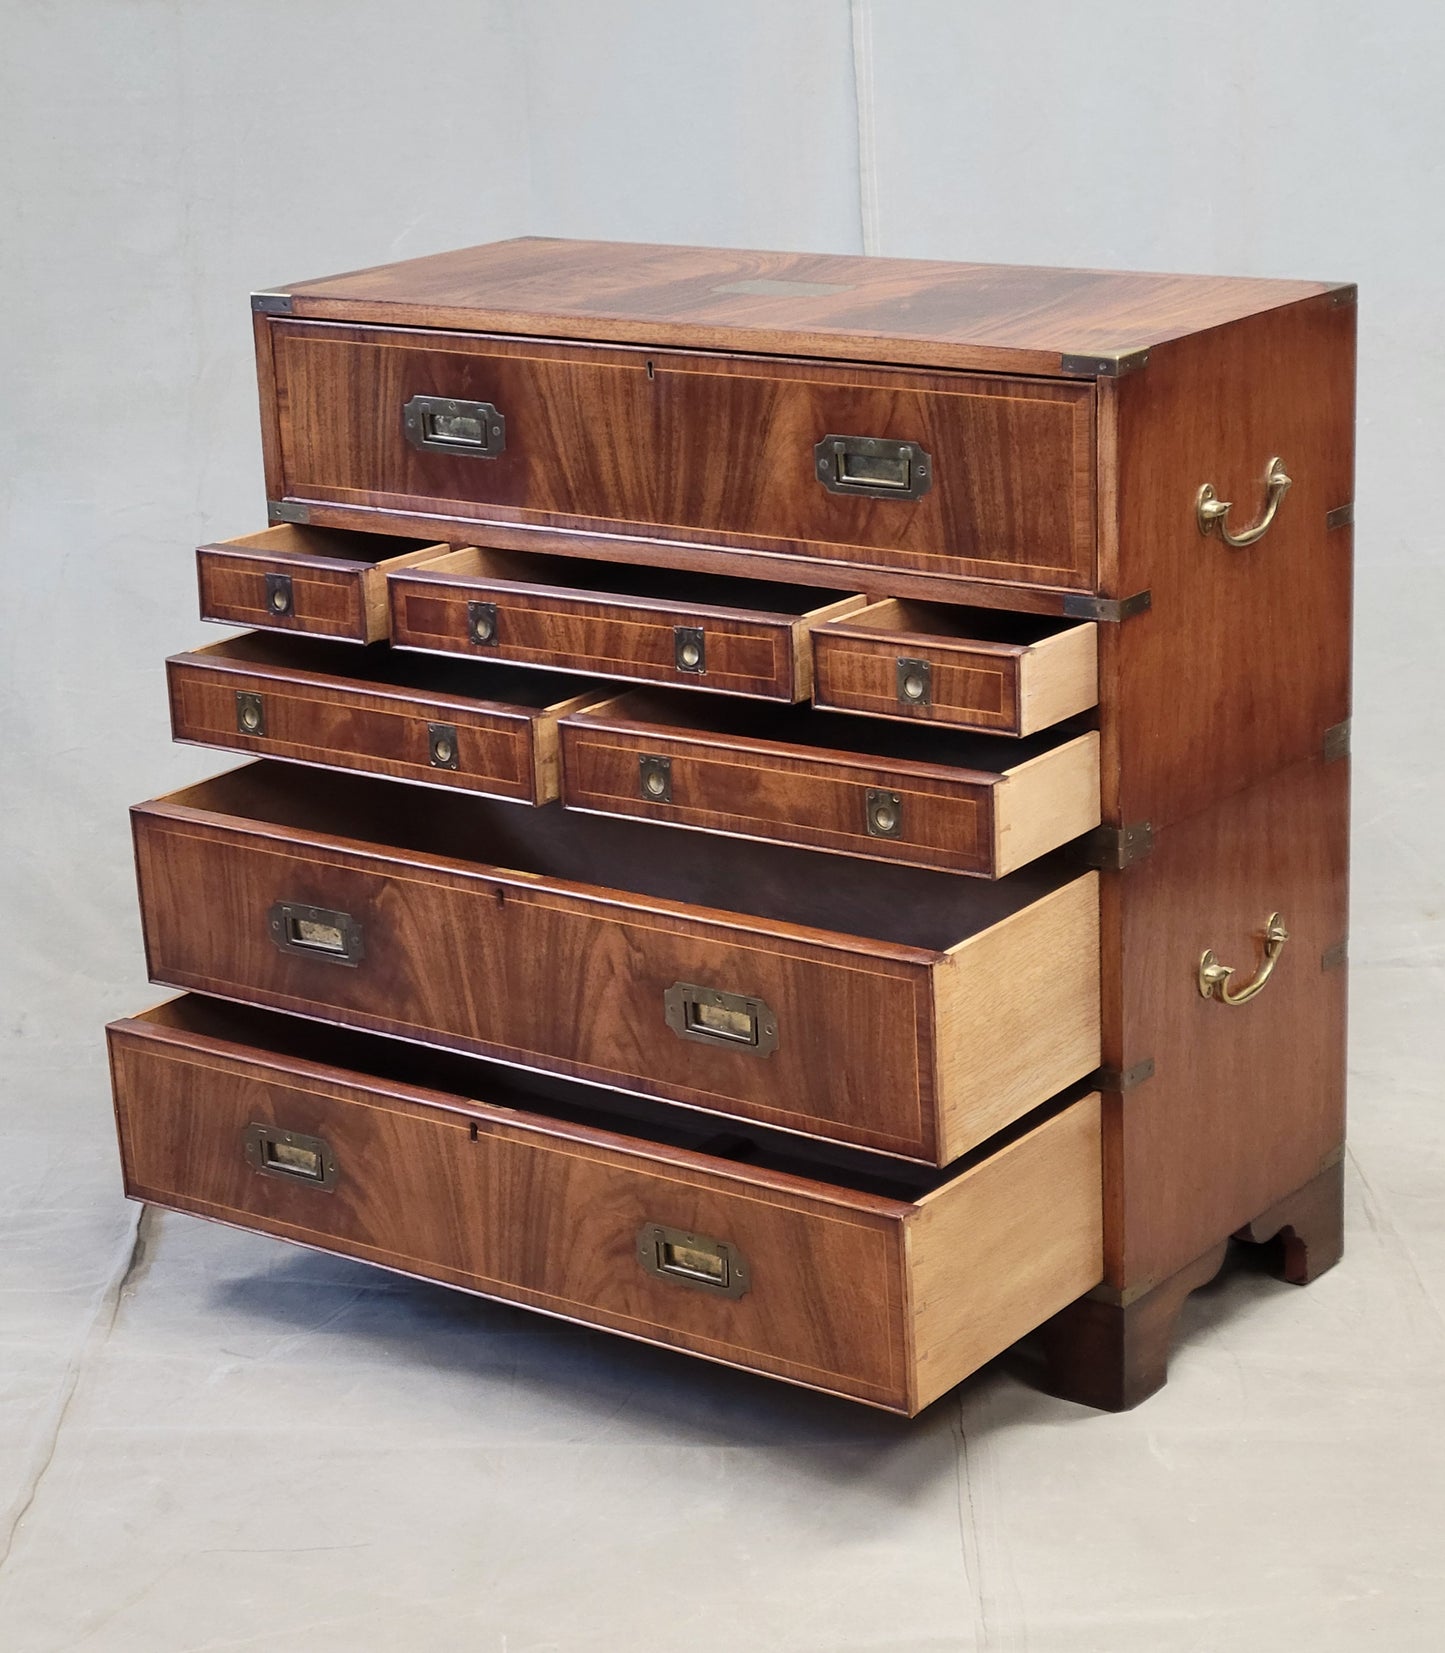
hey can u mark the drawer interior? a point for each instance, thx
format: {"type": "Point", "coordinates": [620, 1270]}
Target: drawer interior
{"type": "Point", "coordinates": [713, 592]}
{"type": "Point", "coordinates": [883, 902]}
{"type": "Point", "coordinates": [825, 732]}
{"type": "Point", "coordinates": [480, 680]}
{"type": "Point", "coordinates": [289, 541]}
{"type": "Point", "coordinates": [974, 625]}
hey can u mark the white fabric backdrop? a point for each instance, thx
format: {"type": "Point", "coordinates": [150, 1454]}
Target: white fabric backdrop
{"type": "Point", "coordinates": [160, 158]}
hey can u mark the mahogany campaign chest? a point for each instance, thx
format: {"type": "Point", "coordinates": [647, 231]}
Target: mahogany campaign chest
{"type": "Point", "coordinates": [796, 805]}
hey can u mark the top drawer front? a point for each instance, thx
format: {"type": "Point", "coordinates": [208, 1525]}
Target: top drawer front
{"type": "Point", "coordinates": [711, 449]}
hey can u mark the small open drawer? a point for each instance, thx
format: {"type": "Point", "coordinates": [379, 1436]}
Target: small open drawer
{"type": "Point", "coordinates": [479, 727]}
{"type": "Point", "coordinates": [928, 797]}
{"type": "Point", "coordinates": [880, 1284]}
{"type": "Point", "coordinates": [647, 625]}
{"type": "Point", "coordinates": [327, 582]}
{"type": "Point", "coordinates": [1009, 674]}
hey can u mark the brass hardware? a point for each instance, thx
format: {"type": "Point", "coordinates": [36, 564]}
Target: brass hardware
{"type": "Point", "coordinates": [1213, 512]}
{"type": "Point", "coordinates": [1336, 742]}
{"type": "Point", "coordinates": [714, 1018]}
{"type": "Point", "coordinates": [1336, 955]}
{"type": "Point", "coordinates": [482, 622]}
{"type": "Point", "coordinates": [284, 510]}
{"type": "Point", "coordinates": [692, 1260]}
{"type": "Point", "coordinates": [441, 745]}
{"type": "Point", "coordinates": [1103, 364]}
{"type": "Point", "coordinates": [1112, 848]}
{"type": "Point", "coordinates": [1341, 517]}
{"type": "Point", "coordinates": [689, 648]}
{"type": "Point", "coordinates": [914, 682]}
{"type": "Point", "coordinates": [883, 812]}
{"type": "Point", "coordinates": [316, 931]}
{"type": "Point", "coordinates": [1078, 605]}
{"type": "Point", "coordinates": [873, 466]}
{"type": "Point", "coordinates": [1214, 976]}
{"type": "Point", "coordinates": [1348, 294]}
{"type": "Point", "coordinates": [280, 599]}
{"type": "Point", "coordinates": [438, 424]}
{"type": "Point", "coordinates": [277, 1153]}
{"type": "Point", "coordinates": [654, 777]}
{"type": "Point", "coordinates": [273, 304]}
{"type": "Point", "coordinates": [250, 713]}
{"type": "Point", "coordinates": [1115, 1079]}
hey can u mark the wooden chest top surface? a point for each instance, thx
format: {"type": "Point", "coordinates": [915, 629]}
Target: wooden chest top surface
{"type": "Point", "coordinates": [974, 316]}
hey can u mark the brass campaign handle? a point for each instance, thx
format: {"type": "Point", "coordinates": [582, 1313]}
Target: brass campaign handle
{"type": "Point", "coordinates": [1213, 512]}
{"type": "Point", "coordinates": [1214, 976]}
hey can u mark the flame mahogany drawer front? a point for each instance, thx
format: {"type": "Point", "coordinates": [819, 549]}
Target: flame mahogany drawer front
{"type": "Point", "coordinates": [924, 797]}
{"type": "Point", "coordinates": [1009, 674]}
{"type": "Point", "coordinates": [915, 1013]}
{"type": "Point", "coordinates": [943, 474]}
{"type": "Point", "coordinates": [476, 728]}
{"type": "Point", "coordinates": [886, 1288]}
{"type": "Point", "coordinates": [650, 625]}
{"type": "Point", "coordinates": [311, 580]}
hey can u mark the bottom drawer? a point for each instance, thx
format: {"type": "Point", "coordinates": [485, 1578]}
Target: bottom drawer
{"type": "Point", "coordinates": [884, 1286]}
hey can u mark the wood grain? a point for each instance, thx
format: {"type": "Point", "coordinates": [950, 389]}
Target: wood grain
{"type": "Point", "coordinates": [619, 623]}
{"type": "Point", "coordinates": [808, 780]}
{"type": "Point", "coordinates": [332, 708]}
{"type": "Point", "coordinates": [571, 977]}
{"type": "Point", "coordinates": [1243, 661]}
{"type": "Point", "coordinates": [338, 580]}
{"type": "Point", "coordinates": [1004, 674]}
{"type": "Point", "coordinates": [980, 316]}
{"type": "Point", "coordinates": [1018, 1013]}
{"type": "Point", "coordinates": [1251, 1100]}
{"type": "Point", "coordinates": [1033, 1209]}
{"type": "Point", "coordinates": [621, 440]}
{"type": "Point", "coordinates": [844, 1284]}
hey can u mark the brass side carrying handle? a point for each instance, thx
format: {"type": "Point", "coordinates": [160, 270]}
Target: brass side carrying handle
{"type": "Point", "coordinates": [1214, 976]}
{"type": "Point", "coordinates": [1213, 512]}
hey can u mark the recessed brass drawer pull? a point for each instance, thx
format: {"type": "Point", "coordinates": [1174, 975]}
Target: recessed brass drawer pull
{"type": "Point", "coordinates": [883, 813]}
{"type": "Point", "coordinates": [250, 713]}
{"type": "Point", "coordinates": [277, 1153]}
{"type": "Point", "coordinates": [441, 745]}
{"type": "Point", "coordinates": [914, 681]}
{"type": "Point", "coordinates": [654, 778]}
{"type": "Point", "coordinates": [317, 931]}
{"type": "Point", "coordinates": [280, 597]}
{"type": "Point", "coordinates": [689, 649]}
{"type": "Point", "coordinates": [873, 466]}
{"type": "Point", "coordinates": [1214, 976]}
{"type": "Point", "coordinates": [714, 1018]}
{"type": "Point", "coordinates": [440, 425]}
{"type": "Point", "coordinates": [692, 1260]}
{"type": "Point", "coordinates": [482, 622]}
{"type": "Point", "coordinates": [1213, 512]}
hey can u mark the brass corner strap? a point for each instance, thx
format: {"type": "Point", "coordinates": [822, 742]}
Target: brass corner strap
{"type": "Point", "coordinates": [1079, 605]}
{"type": "Point", "coordinates": [273, 304]}
{"type": "Point", "coordinates": [284, 510]}
{"type": "Point", "coordinates": [1125, 1079]}
{"type": "Point", "coordinates": [1102, 364]}
{"type": "Point", "coordinates": [1336, 742]}
{"type": "Point", "coordinates": [1214, 976]}
{"type": "Point", "coordinates": [1112, 848]}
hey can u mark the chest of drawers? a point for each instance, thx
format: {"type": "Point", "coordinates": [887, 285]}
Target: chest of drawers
{"type": "Point", "coordinates": [739, 843]}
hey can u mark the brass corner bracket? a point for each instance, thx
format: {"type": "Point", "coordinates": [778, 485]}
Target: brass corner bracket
{"type": "Point", "coordinates": [273, 304]}
{"type": "Point", "coordinates": [1080, 605]}
{"type": "Point", "coordinates": [1102, 364]}
{"type": "Point", "coordinates": [1112, 848]}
